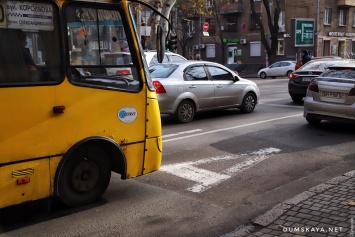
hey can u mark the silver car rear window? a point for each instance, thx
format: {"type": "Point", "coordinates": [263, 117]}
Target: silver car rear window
{"type": "Point", "coordinates": [162, 70]}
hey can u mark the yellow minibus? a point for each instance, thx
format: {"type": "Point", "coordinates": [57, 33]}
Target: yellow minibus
{"type": "Point", "coordinates": [69, 115]}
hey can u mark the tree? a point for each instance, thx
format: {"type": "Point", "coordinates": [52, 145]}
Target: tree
{"type": "Point", "coordinates": [214, 11]}
{"type": "Point", "coordinates": [163, 6]}
{"type": "Point", "coordinates": [271, 43]}
{"type": "Point", "coordinates": [189, 12]}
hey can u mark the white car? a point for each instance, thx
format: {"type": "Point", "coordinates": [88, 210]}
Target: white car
{"type": "Point", "coordinates": [124, 58]}
{"type": "Point", "coordinates": [278, 69]}
{"type": "Point", "coordinates": [151, 57]}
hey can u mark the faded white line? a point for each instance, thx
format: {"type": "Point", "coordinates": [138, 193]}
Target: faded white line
{"type": "Point", "coordinates": [206, 179]}
{"type": "Point", "coordinates": [260, 156]}
{"type": "Point", "coordinates": [181, 133]}
{"type": "Point", "coordinates": [230, 128]}
{"type": "Point", "coordinates": [286, 106]}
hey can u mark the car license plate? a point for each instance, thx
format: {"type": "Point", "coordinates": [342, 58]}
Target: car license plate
{"type": "Point", "coordinates": [333, 95]}
{"type": "Point", "coordinates": [305, 79]}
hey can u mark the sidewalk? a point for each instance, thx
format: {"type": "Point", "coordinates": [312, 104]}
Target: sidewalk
{"type": "Point", "coordinates": [325, 210]}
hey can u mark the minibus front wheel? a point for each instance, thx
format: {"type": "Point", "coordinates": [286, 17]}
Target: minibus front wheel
{"type": "Point", "coordinates": [84, 176]}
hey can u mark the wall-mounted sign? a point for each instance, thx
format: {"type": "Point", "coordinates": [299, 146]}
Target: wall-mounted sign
{"type": "Point", "coordinates": [228, 40]}
{"type": "Point", "coordinates": [205, 26]}
{"type": "Point", "coordinates": [244, 26]}
{"type": "Point", "coordinates": [341, 34]}
{"type": "Point", "coordinates": [304, 32]}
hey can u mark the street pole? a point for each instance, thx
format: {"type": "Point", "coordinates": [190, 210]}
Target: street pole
{"type": "Point", "coordinates": [317, 29]}
{"type": "Point", "coordinates": [200, 37]}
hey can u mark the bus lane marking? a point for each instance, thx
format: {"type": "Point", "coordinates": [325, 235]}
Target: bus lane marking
{"type": "Point", "coordinates": [206, 179]}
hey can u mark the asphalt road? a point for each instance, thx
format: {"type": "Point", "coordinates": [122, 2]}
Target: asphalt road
{"type": "Point", "coordinates": [219, 172]}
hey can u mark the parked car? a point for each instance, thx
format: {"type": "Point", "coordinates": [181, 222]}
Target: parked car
{"type": "Point", "coordinates": [185, 88]}
{"type": "Point", "coordinates": [300, 79]}
{"type": "Point", "coordinates": [278, 69]}
{"type": "Point", "coordinates": [331, 96]}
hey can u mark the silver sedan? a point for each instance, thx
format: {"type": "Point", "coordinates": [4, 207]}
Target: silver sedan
{"type": "Point", "coordinates": [189, 87]}
{"type": "Point", "coordinates": [331, 96]}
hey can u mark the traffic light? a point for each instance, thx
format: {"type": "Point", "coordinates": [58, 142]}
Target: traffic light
{"type": "Point", "coordinates": [173, 43]}
{"type": "Point", "coordinates": [168, 45]}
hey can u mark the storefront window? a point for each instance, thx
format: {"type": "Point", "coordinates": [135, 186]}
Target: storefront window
{"type": "Point", "coordinates": [280, 47]}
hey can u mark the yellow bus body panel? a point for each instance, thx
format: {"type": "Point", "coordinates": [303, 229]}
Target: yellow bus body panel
{"type": "Point", "coordinates": [32, 129]}
{"type": "Point", "coordinates": [37, 188]}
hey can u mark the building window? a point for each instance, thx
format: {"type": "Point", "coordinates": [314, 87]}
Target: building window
{"type": "Point", "coordinates": [341, 49]}
{"type": "Point", "coordinates": [253, 24]}
{"type": "Point", "coordinates": [255, 49]}
{"type": "Point", "coordinates": [342, 17]}
{"type": "Point", "coordinates": [328, 16]}
{"type": "Point", "coordinates": [326, 48]}
{"type": "Point", "coordinates": [211, 26]}
{"type": "Point", "coordinates": [282, 19]}
{"type": "Point", "coordinates": [282, 22]}
{"type": "Point", "coordinates": [354, 19]}
{"type": "Point", "coordinates": [281, 47]}
{"type": "Point", "coordinates": [210, 50]}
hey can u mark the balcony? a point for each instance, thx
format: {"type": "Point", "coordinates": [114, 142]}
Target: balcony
{"type": "Point", "coordinates": [346, 3]}
{"type": "Point", "coordinates": [232, 8]}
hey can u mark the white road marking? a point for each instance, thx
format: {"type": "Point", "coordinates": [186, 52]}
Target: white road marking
{"type": "Point", "coordinates": [259, 157]}
{"type": "Point", "coordinates": [206, 179]}
{"type": "Point", "coordinates": [180, 133]}
{"type": "Point", "coordinates": [230, 128]}
{"type": "Point", "coordinates": [285, 106]}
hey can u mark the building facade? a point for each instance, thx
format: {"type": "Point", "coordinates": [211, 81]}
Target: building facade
{"type": "Point", "coordinates": [323, 27]}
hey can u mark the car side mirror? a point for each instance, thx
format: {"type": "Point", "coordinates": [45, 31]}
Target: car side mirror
{"type": "Point", "coordinates": [235, 78]}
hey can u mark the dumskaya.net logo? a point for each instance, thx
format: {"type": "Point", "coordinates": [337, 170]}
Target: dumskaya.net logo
{"type": "Point", "coordinates": [307, 229]}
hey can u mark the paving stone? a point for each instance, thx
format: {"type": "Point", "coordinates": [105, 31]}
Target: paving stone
{"type": "Point", "coordinates": [324, 206]}
{"type": "Point", "coordinates": [304, 216]}
{"type": "Point", "coordinates": [315, 213]}
{"type": "Point", "coordinates": [293, 219]}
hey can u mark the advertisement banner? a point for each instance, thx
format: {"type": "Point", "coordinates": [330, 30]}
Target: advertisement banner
{"type": "Point", "coordinates": [304, 32]}
{"type": "Point", "coordinates": [29, 15]}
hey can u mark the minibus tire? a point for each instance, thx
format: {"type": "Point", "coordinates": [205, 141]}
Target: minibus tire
{"type": "Point", "coordinates": [84, 176]}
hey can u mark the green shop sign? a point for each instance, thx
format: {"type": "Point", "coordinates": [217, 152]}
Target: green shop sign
{"type": "Point", "coordinates": [304, 32]}
{"type": "Point", "coordinates": [225, 40]}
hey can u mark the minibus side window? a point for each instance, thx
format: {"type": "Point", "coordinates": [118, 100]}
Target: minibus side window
{"type": "Point", "coordinates": [30, 53]}
{"type": "Point", "coordinates": [99, 51]}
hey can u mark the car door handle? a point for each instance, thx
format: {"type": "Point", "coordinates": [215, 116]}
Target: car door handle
{"type": "Point", "coordinates": [219, 86]}
{"type": "Point", "coordinates": [193, 86]}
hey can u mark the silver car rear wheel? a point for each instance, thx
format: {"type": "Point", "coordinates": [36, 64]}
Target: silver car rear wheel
{"type": "Point", "coordinates": [185, 112]}
{"type": "Point", "coordinates": [249, 103]}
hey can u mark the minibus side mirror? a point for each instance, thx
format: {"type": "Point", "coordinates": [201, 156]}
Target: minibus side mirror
{"type": "Point", "coordinates": [160, 45]}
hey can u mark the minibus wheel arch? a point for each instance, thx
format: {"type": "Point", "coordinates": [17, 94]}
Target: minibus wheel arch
{"type": "Point", "coordinates": [85, 170]}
